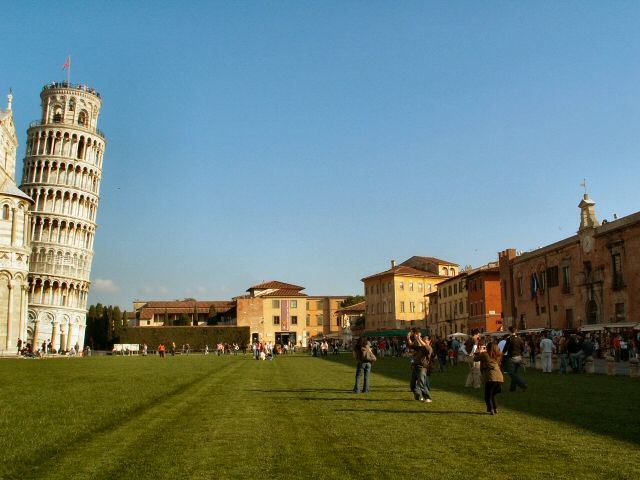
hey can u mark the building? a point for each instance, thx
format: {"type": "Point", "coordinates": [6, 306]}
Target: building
{"type": "Point", "coordinates": [62, 173]}
{"type": "Point", "coordinates": [591, 278]}
{"type": "Point", "coordinates": [280, 312]}
{"type": "Point", "coordinates": [452, 305]}
{"type": "Point", "coordinates": [159, 313]}
{"type": "Point", "coordinates": [396, 298]}
{"type": "Point", "coordinates": [351, 318]}
{"type": "Point", "coordinates": [484, 299]}
{"type": "Point", "coordinates": [14, 240]}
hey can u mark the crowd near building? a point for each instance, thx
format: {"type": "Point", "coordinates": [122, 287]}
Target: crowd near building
{"type": "Point", "coordinates": [48, 225]}
{"type": "Point", "coordinates": [589, 281]}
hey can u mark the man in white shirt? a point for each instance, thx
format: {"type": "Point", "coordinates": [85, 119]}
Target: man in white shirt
{"type": "Point", "coordinates": [546, 351]}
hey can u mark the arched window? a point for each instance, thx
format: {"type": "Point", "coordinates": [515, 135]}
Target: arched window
{"type": "Point", "coordinates": [5, 212]}
{"type": "Point", "coordinates": [72, 105]}
{"type": "Point", "coordinates": [57, 115]}
{"type": "Point", "coordinates": [82, 118]}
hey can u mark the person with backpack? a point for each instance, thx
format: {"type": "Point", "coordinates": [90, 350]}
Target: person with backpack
{"type": "Point", "coordinates": [513, 351]}
{"type": "Point", "coordinates": [364, 357]}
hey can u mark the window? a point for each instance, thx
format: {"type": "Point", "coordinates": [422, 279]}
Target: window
{"type": "Point", "coordinates": [275, 303]}
{"type": "Point", "coordinates": [72, 105]}
{"type": "Point", "coordinates": [276, 319]}
{"type": "Point", "coordinates": [5, 212]}
{"type": "Point", "coordinates": [412, 307]}
{"type": "Point", "coordinates": [389, 287]}
{"type": "Point", "coordinates": [449, 290]}
{"type": "Point", "coordinates": [618, 282]}
{"type": "Point", "coordinates": [390, 307]}
{"type": "Point", "coordinates": [366, 290]}
{"type": "Point", "coordinates": [320, 305]}
{"type": "Point", "coordinates": [319, 319]}
{"type": "Point", "coordinates": [461, 307]}
{"type": "Point", "coordinates": [401, 285]}
{"type": "Point", "coordinates": [620, 315]}
{"type": "Point", "coordinates": [420, 307]}
{"type": "Point", "coordinates": [566, 279]}
{"type": "Point", "coordinates": [384, 307]}
{"type": "Point", "coordinates": [568, 315]}
{"type": "Point", "coordinates": [420, 287]}
{"type": "Point", "coordinates": [82, 118]}
{"type": "Point", "coordinates": [552, 277]}
{"type": "Point", "coordinates": [455, 289]}
{"type": "Point", "coordinates": [294, 303]}
{"type": "Point", "coordinates": [401, 307]}
{"type": "Point", "coordinates": [294, 319]}
{"type": "Point", "coordinates": [411, 286]}
{"type": "Point", "coordinates": [519, 286]}
{"type": "Point", "coordinates": [308, 319]}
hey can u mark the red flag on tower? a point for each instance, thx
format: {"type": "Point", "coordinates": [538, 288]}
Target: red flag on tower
{"type": "Point", "coordinates": [67, 64]}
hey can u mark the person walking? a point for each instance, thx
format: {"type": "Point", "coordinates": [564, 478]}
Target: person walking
{"type": "Point", "coordinates": [546, 352]}
{"type": "Point", "coordinates": [490, 358]}
{"type": "Point", "coordinates": [513, 351]}
{"type": "Point", "coordinates": [161, 349]}
{"type": "Point", "coordinates": [422, 357]}
{"type": "Point", "coordinates": [364, 357]}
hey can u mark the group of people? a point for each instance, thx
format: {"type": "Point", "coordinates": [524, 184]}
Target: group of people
{"type": "Point", "coordinates": [28, 350]}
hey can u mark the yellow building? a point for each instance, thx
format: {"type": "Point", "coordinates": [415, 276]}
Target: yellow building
{"type": "Point", "coordinates": [452, 306]}
{"type": "Point", "coordinates": [397, 298]}
{"type": "Point", "coordinates": [279, 312]}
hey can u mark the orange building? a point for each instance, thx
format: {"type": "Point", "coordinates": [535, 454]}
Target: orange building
{"type": "Point", "coordinates": [485, 299]}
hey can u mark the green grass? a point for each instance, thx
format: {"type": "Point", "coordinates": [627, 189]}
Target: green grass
{"type": "Point", "coordinates": [232, 417]}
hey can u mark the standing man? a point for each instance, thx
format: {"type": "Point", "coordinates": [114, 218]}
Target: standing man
{"type": "Point", "coordinates": [364, 357]}
{"type": "Point", "coordinates": [19, 345]}
{"type": "Point", "coordinates": [546, 352]}
{"type": "Point", "coordinates": [422, 355]}
{"type": "Point", "coordinates": [513, 351]}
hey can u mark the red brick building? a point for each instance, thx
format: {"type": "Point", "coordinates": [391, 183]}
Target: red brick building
{"type": "Point", "coordinates": [590, 278]}
{"type": "Point", "coordinates": [485, 299]}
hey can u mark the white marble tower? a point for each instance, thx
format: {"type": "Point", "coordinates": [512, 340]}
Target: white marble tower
{"type": "Point", "coordinates": [62, 173]}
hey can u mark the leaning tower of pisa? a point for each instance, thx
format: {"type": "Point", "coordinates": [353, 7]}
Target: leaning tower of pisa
{"type": "Point", "coordinates": [62, 172]}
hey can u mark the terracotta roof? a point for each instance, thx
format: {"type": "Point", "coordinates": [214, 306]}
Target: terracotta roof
{"type": "Point", "coordinates": [355, 308]}
{"type": "Point", "coordinates": [404, 271]}
{"type": "Point", "coordinates": [284, 292]}
{"type": "Point", "coordinates": [187, 304]}
{"type": "Point", "coordinates": [274, 284]}
{"type": "Point", "coordinates": [431, 259]}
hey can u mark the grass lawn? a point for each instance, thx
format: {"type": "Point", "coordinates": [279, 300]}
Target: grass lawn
{"type": "Point", "coordinates": [232, 417]}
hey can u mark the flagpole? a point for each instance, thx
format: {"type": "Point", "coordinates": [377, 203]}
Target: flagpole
{"type": "Point", "coordinates": [69, 71]}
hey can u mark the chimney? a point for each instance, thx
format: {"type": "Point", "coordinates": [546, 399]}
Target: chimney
{"type": "Point", "coordinates": [393, 264]}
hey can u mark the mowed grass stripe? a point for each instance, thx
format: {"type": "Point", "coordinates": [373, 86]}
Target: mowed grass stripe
{"type": "Point", "coordinates": [232, 417]}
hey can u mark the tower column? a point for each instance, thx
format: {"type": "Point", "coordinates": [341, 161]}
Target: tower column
{"type": "Point", "coordinates": [24, 292]}
{"type": "Point", "coordinates": [10, 317]}
{"type": "Point", "coordinates": [54, 335]}
{"type": "Point", "coordinates": [69, 335]}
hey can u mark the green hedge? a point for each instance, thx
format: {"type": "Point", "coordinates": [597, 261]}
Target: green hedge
{"type": "Point", "coordinates": [196, 337]}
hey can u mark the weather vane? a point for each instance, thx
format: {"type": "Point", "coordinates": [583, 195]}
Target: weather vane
{"type": "Point", "coordinates": [584, 184]}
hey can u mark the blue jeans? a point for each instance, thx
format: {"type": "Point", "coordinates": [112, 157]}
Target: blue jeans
{"type": "Point", "coordinates": [423, 383]}
{"type": "Point", "coordinates": [563, 363]}
{"type": "Point", "coordinates": [363, 368]}
{"type": "Point", "coordinates": [516, 380]}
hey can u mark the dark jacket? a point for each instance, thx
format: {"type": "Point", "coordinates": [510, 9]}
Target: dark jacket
{"type": "Point", "coordinates": [514, 346]}
{"type": "Point", "coordinates": [489, 368]}
{"type": "Point", "coordinates": [422, 356]}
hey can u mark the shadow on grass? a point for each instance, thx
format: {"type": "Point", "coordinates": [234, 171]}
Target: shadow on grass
{"type": "Point", "coordinates": [601, 404]}
{"type": "Point", "coordinates": [28, 467]}
{"type": "Point", "coordinates": [413, 412]}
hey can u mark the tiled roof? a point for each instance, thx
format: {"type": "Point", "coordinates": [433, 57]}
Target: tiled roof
{"type": "Point", "coordinates": [433, 260]}
{"type": "Point", "coordinates": [188, 304]}
{"type": "Point", "coordinates": [285, 292]}
{"type": "Point", "coordinates": [355, 308]}
{"type": "Point", "coordinates": [274, 284]}
{"type": "Point", "coordinates": [401, 270]}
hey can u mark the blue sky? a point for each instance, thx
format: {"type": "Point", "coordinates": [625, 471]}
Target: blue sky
{"type": "Point", "coordinates": [312, 142]}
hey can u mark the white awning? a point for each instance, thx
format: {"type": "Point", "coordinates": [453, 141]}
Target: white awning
{"type": "Point", "coordinates": [602, 326]}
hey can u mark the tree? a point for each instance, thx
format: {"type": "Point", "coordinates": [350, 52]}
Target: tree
{"type": "Point", "coordinates": [195, 313]}
{"type": "Point", "coordinates": [347, 302]}
{"type": "Point", "coordinates": [213, 316]}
